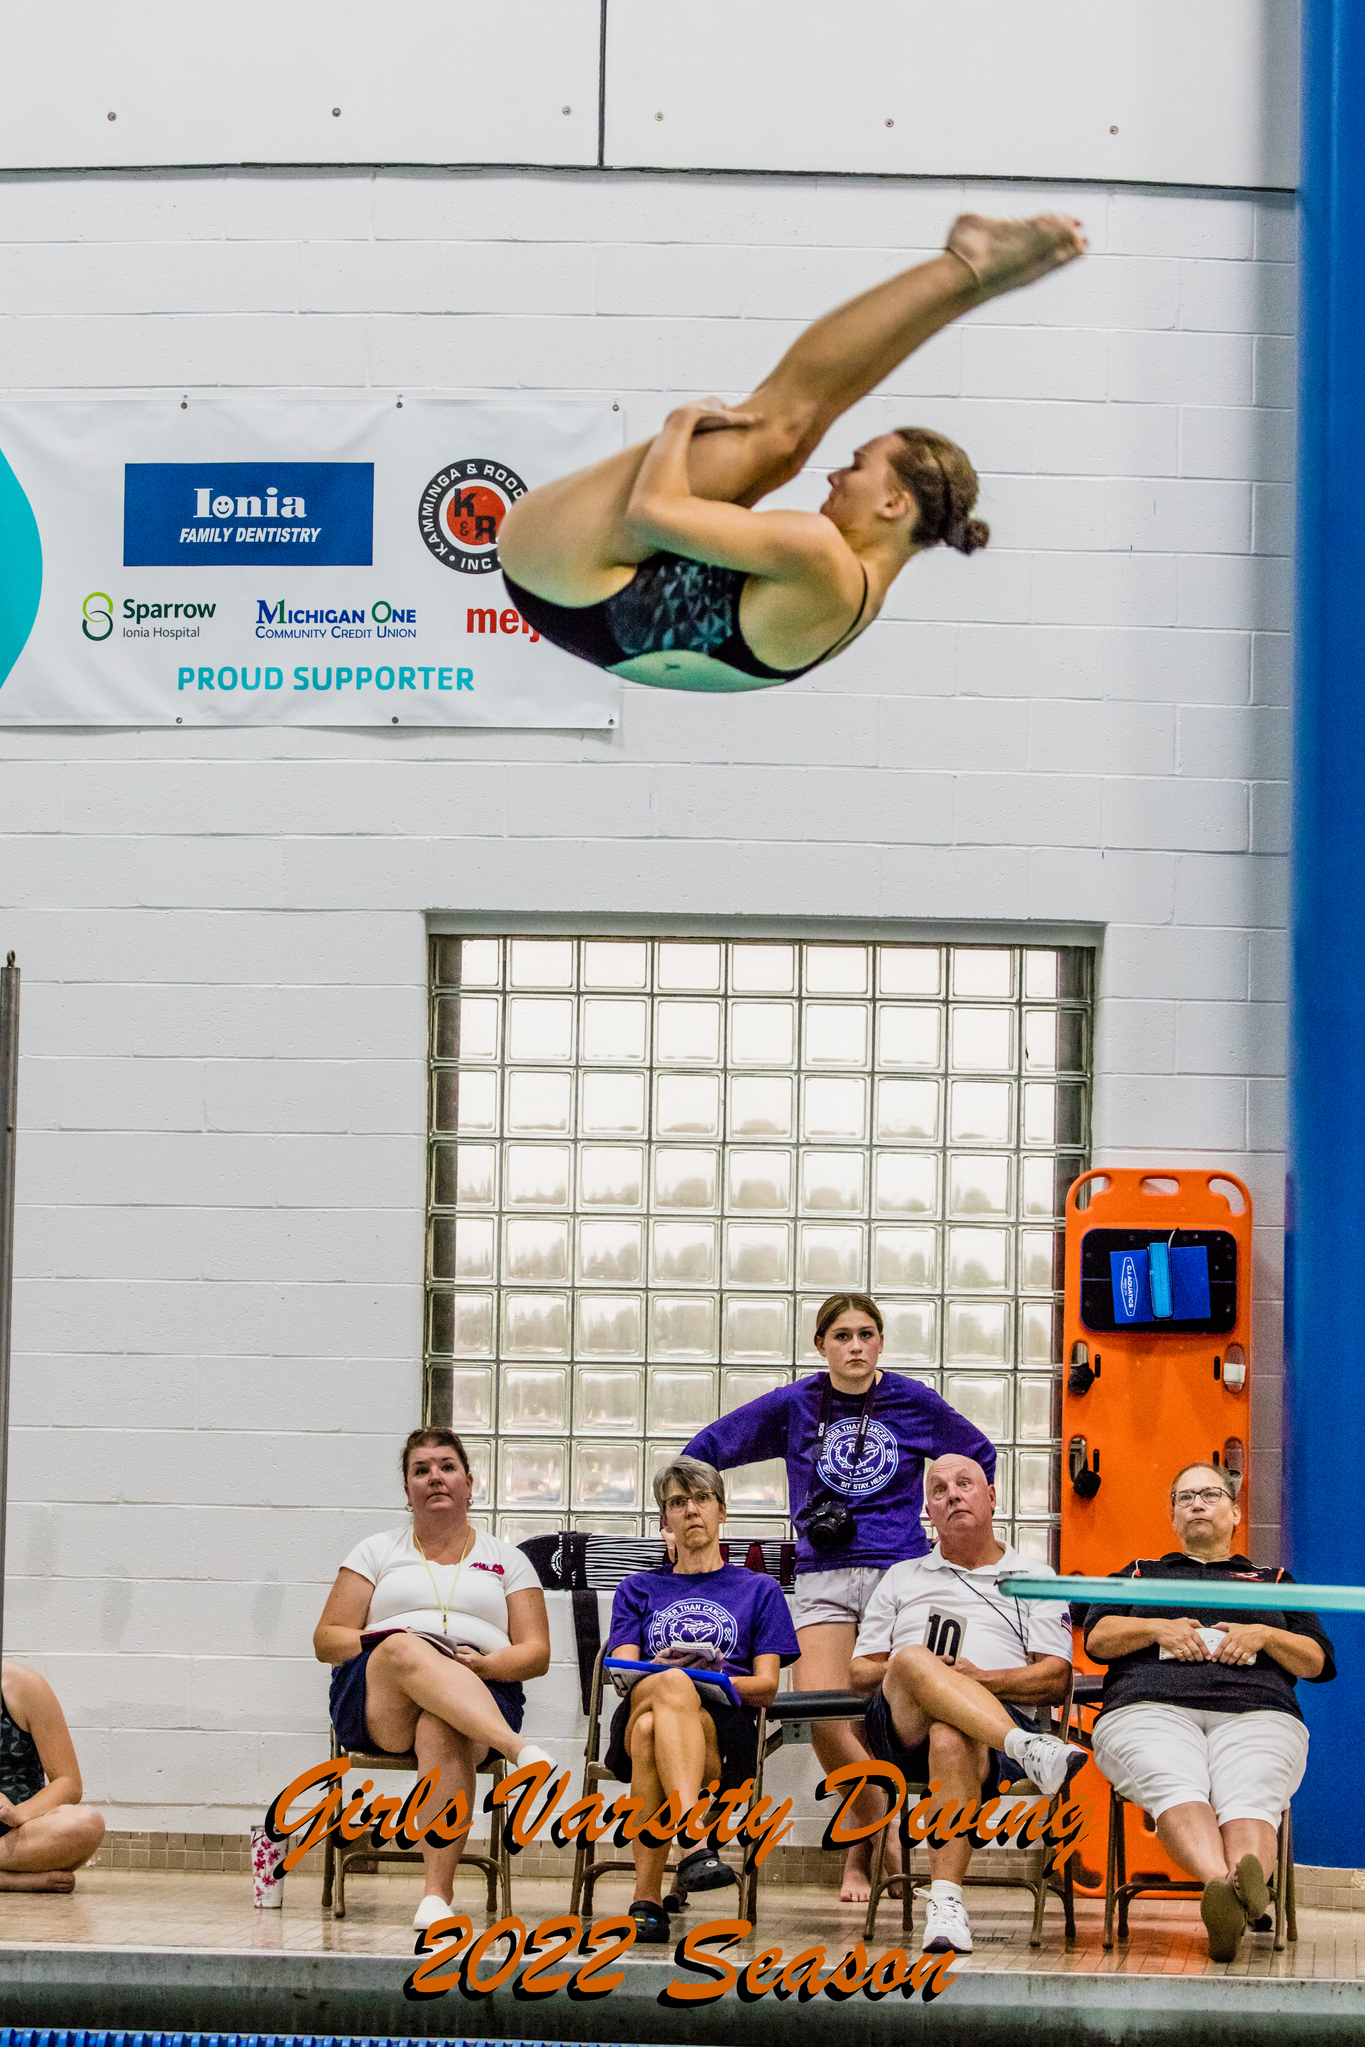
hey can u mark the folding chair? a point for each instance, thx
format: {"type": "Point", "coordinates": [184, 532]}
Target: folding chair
{"type": "Point", "coordinates": [1154, 1883]}
{"type": "Point", "coordinates": [341, 1856]}
{"type": "Point", "coordinates": [589, 1867]}
{"type": "Point", "coordinates": [1045, 1876]}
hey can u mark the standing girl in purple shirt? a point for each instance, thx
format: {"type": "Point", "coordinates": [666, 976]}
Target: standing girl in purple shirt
{"type": "Point", "coordinates": [855, 1441]}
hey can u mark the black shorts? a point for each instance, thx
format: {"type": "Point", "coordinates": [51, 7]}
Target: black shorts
{"type": "Point", "coordinates": [736, 1737]}
{"type": "Point", "coordinates": [347, 1702]}
{"type": "Point", "coordinates": [879, 1732]}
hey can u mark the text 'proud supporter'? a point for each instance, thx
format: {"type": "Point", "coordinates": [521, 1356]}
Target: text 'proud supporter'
{"type": "Point", "coordinates": [228, 678]}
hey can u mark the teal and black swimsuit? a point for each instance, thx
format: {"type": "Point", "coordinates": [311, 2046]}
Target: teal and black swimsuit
{"type": "Point", "coordinates": [21, 1770]}
{"type": "Point", "coordinates": [675, 625]}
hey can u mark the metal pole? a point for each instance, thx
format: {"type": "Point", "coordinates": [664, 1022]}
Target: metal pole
{"type": "Point", "coordinates": [1324, 1500]}
{"type": "Point", "coordinates": [9, 1143]}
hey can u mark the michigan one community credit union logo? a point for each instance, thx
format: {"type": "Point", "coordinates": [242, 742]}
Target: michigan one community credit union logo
{"type": "Point", "coordinates": [461, 512]}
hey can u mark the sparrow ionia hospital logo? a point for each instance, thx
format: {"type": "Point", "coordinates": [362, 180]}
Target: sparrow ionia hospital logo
{"type": "Point", "coordinates": [461, 511]}
{"type": "Point", "coordinates": [97, 616]}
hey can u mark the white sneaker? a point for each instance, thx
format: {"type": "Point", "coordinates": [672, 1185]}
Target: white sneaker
{"type": "Point", "coordinates": [946, 1928]}
{"type": "Point", "coordinates": [531, 1752]}
{"type": "Point", "coordinates": [429, 1911]}
{"type": "Point", "coordinates": [1049, 1763]}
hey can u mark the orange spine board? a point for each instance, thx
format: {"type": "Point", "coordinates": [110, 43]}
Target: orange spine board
{"type": "Point", "coordinates": [1158, 1401]}
{"type": "Point", "coordinates": [1155, 1405]}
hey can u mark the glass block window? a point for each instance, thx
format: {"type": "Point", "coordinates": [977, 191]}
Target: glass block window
{"type": "Point", "coordinates": [651, 1160]}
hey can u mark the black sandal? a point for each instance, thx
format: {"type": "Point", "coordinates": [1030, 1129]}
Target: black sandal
{"type": "Point", "coordinates": [703, 1870]}
{"type": "Point", "coordinates": [651, 1921]}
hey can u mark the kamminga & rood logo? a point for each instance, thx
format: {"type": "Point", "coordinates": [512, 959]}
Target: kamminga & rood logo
{"type": "Point", "coordinates": [461, 511]}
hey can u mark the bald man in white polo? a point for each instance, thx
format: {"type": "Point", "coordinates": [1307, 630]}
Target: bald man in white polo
{"type": "Point", "coordinates": [962, 1669]}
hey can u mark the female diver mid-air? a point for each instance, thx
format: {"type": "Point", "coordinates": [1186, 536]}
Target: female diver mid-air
{"type": "Point", "coordinates": [654, 563]}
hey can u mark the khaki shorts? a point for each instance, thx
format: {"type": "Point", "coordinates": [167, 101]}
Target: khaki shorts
{"type": "Point", "coordinates": [834, 1595]}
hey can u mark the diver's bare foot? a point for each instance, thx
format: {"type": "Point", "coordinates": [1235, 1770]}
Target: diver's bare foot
{"type": "Point", "coordinates": [1003, 254]}
{"type": "Point", "coordinates": [37, 1880]}
{"type": "Point", "coordinates": [856, 1888]}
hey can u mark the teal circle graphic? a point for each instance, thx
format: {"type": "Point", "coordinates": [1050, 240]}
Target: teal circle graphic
{"type": "Point", "coordinates": [21, 569]}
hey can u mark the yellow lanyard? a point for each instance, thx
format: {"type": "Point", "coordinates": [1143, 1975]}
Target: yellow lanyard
{"type": "Point", "coordinates": [443, 1606]}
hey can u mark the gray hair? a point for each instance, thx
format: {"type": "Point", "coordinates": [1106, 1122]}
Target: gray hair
{"type": "Point", "coordinates": [698, 1481]}
{"type": "Point", "coordinates": [1199, 1465]}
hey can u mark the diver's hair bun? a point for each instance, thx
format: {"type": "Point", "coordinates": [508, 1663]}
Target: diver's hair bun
{"type": "Point", "coordinates": [944, 486]}
{"type": "Point", "coordinates": [966, 535]}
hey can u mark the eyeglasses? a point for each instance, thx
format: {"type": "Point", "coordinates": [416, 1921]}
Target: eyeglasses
{"type": "Point", "coordinates": [1208, 1494]}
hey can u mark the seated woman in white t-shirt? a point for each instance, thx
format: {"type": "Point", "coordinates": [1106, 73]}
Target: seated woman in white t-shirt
{"type": "Point", "coordinates": [453, 1698]}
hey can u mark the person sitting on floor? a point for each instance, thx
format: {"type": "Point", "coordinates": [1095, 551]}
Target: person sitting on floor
{"type": "Point", "coordinates": [1199, 1724]}
{"type": "Point", "coordinates": [45, 1831]}
{"type": "Point", "coordinates": [669, 1736]}
{"type": "Point", "coordinates": [962, 1669]}
{"type": "Point", "coordinates": [430, 1629]}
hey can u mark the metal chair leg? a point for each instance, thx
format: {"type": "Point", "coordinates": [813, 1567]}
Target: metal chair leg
{"type": "Point", "coordinates": [1069, 1896]}
{"type": "Point", "coordinates": [1292, 1911]}
{"type": "Point", "coordinates": [1049, 1859]}
{"type": "Point", "coordinates": [580, 1859]}
{"type": "Point", "coordinates": [875, 1885]}
{"type": "Point", "coordinates": [505, 1881]}
{"type": "Point", "coordinates": [748, 1867]}
{"type": "Point", "coordinates": [585, 1854]}
{"type": "Point", "coordinates": [1040, 1891]}
{"type": "Point", "coordinates": [329, 1856]}
{"type": "Point", "coordinates": [498, 1871]}
{"type": "Point", "coordinates": [1123, 1874]}
{"type": "Point", "coordinates": [1286, 1912]}
{"type": "Point", "coordinates": [1111, 1867]}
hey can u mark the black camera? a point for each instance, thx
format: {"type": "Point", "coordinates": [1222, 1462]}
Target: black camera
{"type": "Point", "coordinates": [830, 1526]}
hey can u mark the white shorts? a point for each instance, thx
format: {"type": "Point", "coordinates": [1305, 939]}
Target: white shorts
{"type": "Point", "coordinates": [834, 1595]}
{"type": "Point", "coordinates": [1247, 1766]}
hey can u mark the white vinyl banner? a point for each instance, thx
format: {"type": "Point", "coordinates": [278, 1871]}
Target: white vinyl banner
{"type": "Point", "coordinates": [280, 562]}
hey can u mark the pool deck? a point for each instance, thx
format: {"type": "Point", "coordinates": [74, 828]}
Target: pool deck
{"type": "Point", "coordinates": [190, 1953]}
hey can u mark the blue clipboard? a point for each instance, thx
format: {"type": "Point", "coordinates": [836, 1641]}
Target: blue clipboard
{"type": "Point", "coordinates": [705, 1680]}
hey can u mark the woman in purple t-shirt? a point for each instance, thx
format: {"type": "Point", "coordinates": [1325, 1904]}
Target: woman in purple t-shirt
{"type": "Point", "coordinates": [670, 1736]}
{"type": "Point", "coordinates": [855, 1440]}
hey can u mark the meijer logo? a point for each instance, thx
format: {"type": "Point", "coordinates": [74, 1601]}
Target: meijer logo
{"type": "Point", "coordinates": [461, 512]}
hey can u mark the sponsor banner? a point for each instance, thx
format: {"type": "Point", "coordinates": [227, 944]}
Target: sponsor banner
{"type": "Point", "coordinates": [273, 561]}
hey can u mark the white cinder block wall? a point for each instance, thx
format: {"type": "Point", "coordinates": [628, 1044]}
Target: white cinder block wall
{"type": "Point", "coordinates": [222, 934]}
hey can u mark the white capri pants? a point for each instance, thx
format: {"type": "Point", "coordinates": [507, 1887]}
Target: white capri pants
{"type": "Point", "coordinates": [1247, 1766]}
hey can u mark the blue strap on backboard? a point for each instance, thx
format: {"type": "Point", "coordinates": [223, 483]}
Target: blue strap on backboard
{"type": "Point", "coordinates": [1159, 1280]}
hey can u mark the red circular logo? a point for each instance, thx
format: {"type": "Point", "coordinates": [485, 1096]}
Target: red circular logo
{"type": "Point", "coordinates": [472, 516]}
{"type": "Point", "coordinates": [461, 511]}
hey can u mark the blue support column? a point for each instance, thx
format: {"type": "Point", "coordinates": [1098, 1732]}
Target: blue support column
{"type": "Point", "coordinates": [1324, 1470]}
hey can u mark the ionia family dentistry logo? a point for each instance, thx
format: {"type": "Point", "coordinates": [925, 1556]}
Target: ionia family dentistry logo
{"type": "Point", "coordinates": [454, 1960]}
